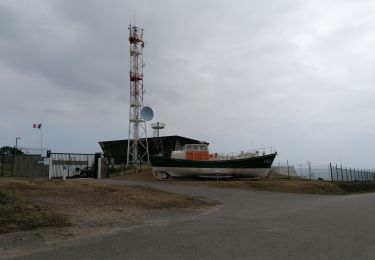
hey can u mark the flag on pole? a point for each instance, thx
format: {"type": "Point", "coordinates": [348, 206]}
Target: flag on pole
{"type": "Point", "coordinates": [39, 126]}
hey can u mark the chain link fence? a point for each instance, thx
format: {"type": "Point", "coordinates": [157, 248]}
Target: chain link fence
{"type": "Point", "coordinates": [6, 164]}
{"type": "Point", "coordinates": [329, 172]}
{"type": "Point", "coordinates": [22, 162]}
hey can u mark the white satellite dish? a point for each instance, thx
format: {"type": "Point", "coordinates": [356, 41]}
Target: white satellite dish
{"type": "Point", "coordinates": [147, 114]}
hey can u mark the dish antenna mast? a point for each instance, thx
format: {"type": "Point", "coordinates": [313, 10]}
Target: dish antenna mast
{"type": "Point", "coordinates": [137, 150]}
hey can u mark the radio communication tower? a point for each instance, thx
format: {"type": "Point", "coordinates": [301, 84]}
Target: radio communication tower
{"type": "Point", "coordinates": [137, 149]}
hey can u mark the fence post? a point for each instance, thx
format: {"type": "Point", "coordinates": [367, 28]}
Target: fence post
{"type": "Point", "coordinates": [346, 173]}
{"type": "Point", "coordinates": [351, 172]}
{"type": "Point", "coordinates": [14, 160]}
{"type": "Point", "coordinates": [351, 176]}
{"type": "Point", "coordinates": [330, 167]}
{"type": "Point", "coordinates": [342, 175]}
{"type": "Point", "coordinates": [69, 167]}
{"type": "Point", "coordinates": [2, 163]}
{"type": "Point", "coordinates": [337, 173]}
{"type": "Point", "coordinates": [287, 164]}
{"type": "Point", "coordinates": [50, 167]}
{"type": "Point", "coordinates": [310, 170]}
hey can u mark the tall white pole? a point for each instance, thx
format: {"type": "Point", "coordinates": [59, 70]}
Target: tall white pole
{"type": "Point", "coordinates": [41, 139]}
{"type": "Point", "coordinates": [17, 138]}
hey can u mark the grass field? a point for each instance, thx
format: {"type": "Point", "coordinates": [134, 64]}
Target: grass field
{"type": "Point", "coordinates": [275, 182]}
{"type": "Point", "coordinates": [17, 213]}
{"type": "Point", "coordinates": [27, 203]}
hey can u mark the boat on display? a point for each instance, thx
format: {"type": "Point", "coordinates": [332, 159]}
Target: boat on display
{"type": "Point", "coordinates": [194, 160]}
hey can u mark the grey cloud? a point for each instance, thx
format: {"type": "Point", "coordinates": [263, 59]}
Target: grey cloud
{"type": "Point", "coordinates": [295, 74]}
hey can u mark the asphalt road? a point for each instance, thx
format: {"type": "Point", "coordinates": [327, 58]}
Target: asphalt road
{"type": "Point", "coordinates": [248, 225]}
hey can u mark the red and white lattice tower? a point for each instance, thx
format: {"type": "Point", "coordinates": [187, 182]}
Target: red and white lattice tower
{"type": "Point", "coordinates": [137, 150]}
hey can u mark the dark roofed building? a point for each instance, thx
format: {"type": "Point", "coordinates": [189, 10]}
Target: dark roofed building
{"type": "Point", "coordinates": [156, 145]}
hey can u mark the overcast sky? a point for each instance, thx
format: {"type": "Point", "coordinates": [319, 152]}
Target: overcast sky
{"type": "Point", "coordinates": [298, 75]}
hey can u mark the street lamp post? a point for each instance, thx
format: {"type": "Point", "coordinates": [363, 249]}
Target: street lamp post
{"type": "Point", "coordinates": [17, 138]}
{"type": "Point", "coordinates": [14, 154]}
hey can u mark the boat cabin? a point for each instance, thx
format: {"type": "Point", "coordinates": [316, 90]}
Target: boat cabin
{"type": "Point", "coordinates": [192, 152]}
{"type": "Point", "coordinates": [195, 147]}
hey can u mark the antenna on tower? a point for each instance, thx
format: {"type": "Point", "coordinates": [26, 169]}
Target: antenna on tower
{"type": "Point", "coordinates": [134, 16]}
{"type": "Point", "coordinates": [157, 127]}
{"type": "Point", "coordinates": [137, 149]}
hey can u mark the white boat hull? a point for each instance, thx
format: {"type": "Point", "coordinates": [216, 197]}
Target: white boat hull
{"type": "Point", "coordinates": [201, 172]}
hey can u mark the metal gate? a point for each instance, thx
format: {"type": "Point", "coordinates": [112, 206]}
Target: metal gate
{"type": "Point", "coordinates": [71, 165]}
{"type": "Point", "coordinates": [26, 162]}
{"type": "Point", "coordinates": [6, 164]}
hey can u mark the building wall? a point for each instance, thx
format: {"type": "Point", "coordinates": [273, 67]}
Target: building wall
{"type": "Point", "coordinates": [162, 145]}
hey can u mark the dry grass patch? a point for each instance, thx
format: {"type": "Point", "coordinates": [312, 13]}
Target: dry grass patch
{"type": "Point", "coordinates": [17, 213]}
{"type": "Point", "coordinates": [82, 204]}
{"type": "Point", "coordinates": [310, 187]}
{"type": "Point", "coordinates": [358, 187]}
{"type": "Point", "coordinates": [144, 175]}
{"type": "Point", "coordinates": [293, 186]}
{"type": "Point", "coordinates": [275, 182]}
